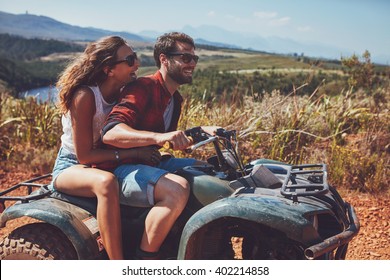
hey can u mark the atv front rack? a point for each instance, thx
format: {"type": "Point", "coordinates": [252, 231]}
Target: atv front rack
{"type": "Point", "coordinates": [316, 173]}
{"type": "Point", "coordinates": [30, 184]}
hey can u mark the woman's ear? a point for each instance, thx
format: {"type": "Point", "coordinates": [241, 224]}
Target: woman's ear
{"type": "Point", "coordinates": [107, 70]}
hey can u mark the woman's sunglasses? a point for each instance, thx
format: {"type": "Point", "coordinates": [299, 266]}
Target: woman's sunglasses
{"type": "Point", "coordinates": [185, 57]}
{"type": "Point", "coordinates": [130, 59]}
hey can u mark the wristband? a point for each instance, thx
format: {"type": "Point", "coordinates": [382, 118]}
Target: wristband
{"type": "Point", "coordinates": [116, 155]}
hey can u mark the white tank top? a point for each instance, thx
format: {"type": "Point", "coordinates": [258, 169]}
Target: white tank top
{"type": "Point", "coordinates": [102, 110]}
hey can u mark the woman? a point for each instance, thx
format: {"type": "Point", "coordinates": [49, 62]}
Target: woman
{"type": "Point", "coordinates": [88, 89]}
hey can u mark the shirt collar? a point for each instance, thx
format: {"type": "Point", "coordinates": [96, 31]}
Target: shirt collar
{"type": "Point", "coordinates": [158, 76]}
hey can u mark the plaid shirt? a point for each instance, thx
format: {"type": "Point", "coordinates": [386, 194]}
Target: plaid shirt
{"type": "Point", "coordinates": [143, 104]}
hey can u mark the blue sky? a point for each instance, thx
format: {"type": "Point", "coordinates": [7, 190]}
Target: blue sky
{"type": "Point", "coordinates": [354, 24]}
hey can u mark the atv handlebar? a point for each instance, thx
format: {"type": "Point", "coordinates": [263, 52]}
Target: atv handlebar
{"type": "Point", "coordinates": [225, 144]}
{"type": "Point", "coordinates": [200, 137]}
{"type": "Point", "coordinates": [199, 144]}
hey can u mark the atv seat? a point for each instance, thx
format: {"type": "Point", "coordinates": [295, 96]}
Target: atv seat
{"type": "Point", "coordinates": [86, 203]}
{"type": "Point", "coordinates": [90, 204]}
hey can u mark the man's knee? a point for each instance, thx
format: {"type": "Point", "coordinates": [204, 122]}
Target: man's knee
{"type": "Point", "coordinates": [182, 188]}
{"type": "Point", "coordinates": [172, 188]}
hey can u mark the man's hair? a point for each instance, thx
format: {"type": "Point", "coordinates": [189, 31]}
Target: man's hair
{"type": "Point", "coordinates": [166, 43]}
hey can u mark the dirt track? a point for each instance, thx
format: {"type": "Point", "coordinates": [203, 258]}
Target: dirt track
{"type": "Point", "coordinates": [372, 242]}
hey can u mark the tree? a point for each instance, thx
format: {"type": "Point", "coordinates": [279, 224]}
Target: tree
{"type": "Point", "coordinates": [361, 72]}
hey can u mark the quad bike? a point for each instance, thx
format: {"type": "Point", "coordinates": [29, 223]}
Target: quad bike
{"type": "Point", "coordinates": [276, 211]}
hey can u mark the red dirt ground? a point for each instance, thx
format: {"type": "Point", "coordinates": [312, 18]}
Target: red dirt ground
{"type": "Point", "coordinates": [372, 242]}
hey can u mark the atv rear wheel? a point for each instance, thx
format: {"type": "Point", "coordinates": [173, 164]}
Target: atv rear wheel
{"type": "Point", "coordinates": [38, 241]}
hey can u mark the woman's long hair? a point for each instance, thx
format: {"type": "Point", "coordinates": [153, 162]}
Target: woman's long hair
{"type": "Point", "coordinates": [87, 69]}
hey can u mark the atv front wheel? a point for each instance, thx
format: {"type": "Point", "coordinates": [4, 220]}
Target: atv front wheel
{"type": "Point", "coordinates": [38, 241]}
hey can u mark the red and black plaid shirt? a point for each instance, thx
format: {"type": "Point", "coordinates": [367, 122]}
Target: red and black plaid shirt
{"type": "Point", "coordinates": [143, 104]}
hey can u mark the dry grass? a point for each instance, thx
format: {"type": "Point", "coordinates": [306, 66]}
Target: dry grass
{"type": "Point", "coordinates": [349, 131]}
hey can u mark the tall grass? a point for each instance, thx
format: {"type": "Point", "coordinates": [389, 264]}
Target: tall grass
{"type": "Point", "coordinates": [29, 134]}
{"type": "Point", "coordinates": [349, 131]}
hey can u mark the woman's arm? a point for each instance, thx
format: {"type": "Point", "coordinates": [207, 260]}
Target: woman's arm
{"type": "Point", "coordinates": [82, 112]}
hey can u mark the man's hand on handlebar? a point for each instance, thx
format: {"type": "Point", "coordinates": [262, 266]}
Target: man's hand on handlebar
{"type": "Point", "coordinates": [176, 140]}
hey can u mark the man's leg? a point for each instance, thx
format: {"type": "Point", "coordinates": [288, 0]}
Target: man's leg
{"type": "Point", "coordinates": [170, 194]}
{"type": "Point", "coordinates": [165, 193]}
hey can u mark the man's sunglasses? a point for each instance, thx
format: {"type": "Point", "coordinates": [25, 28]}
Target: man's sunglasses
{"type": "Point", "coordinates": [130, 59]}
{"type": "Point", "coordinates": [185, 57]}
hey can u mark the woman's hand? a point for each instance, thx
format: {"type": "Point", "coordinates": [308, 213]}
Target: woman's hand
{"type": "Point", "coordinates": [148, 155]}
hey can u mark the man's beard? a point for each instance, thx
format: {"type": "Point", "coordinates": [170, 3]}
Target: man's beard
{"type": "Point", "coordinates": [176, 74]}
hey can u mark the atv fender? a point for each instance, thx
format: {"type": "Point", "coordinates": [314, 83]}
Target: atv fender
{"type": "Point", "coordinates": [275, 213]}
{"type": "Point", "coordinates": [77, 224]}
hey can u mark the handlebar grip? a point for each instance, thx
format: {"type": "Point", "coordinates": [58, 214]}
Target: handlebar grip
{"type": "Point", "coordinates": [169, 145]}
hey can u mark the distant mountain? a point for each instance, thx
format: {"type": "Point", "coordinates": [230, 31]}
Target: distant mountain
{"type": "Point", "coordinates": [202, 35]}
{"type": "Point", "coordinates": [269, 44]}
{"type": "Point", "coordinates": [216, 36]}
{"type": "Point", "coordinates": [198, 40]}
{"type": "Point", "coordinates": [32, 26]}
{"type": "Point", "coordinates": [273, 44]}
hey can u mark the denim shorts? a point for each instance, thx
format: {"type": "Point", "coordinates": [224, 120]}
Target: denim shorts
{"type": "Point", "coordinates": [64, 160]}
{"type": "Point", "coordinates": [137, 181]}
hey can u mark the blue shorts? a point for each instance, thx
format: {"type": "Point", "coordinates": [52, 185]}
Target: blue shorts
{"type": "Point", "coordinates": [64, 160]}
{"type": "Point", "coordinates": [137, 181]}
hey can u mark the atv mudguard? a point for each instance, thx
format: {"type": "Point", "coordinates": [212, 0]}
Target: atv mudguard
{"type": "Point", "coordinates": [76, 223]}
{"type": "Point", "coordinates": [281, 215]}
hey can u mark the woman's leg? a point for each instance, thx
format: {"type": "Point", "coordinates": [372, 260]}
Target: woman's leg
{"type": "Point", "coordinates": [170, 194]}
{"type": "Point", "coordinates": [83, 181]}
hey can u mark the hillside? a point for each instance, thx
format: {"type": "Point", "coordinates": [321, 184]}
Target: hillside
{"type": "Point", "coordinates": [19, 48]}
{"type": "Point", "coordinates": [21, 66]}
{"type": "Point", "coordinates": [32, 62]}
{"type": "Point", "coordinates": [33, 26]}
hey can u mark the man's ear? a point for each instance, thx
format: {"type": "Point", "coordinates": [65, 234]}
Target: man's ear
{"type": "Point", "coordinates": [163, 59]}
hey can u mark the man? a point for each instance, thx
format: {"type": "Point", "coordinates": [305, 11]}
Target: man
{"type": "Point", "coordinates": [148, 115]}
